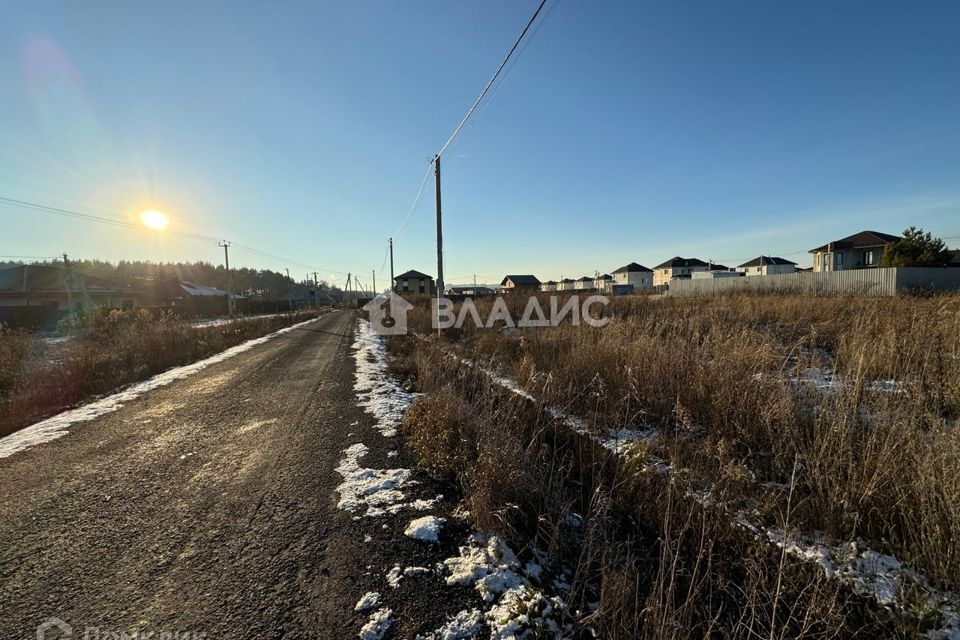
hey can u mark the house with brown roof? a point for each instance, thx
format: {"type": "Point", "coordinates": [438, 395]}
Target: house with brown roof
{"type": "Point", "coordinates": [862, 250]}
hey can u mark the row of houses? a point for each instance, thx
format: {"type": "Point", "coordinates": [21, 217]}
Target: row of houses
{"type": "Point", "coordinates": [863, 250]}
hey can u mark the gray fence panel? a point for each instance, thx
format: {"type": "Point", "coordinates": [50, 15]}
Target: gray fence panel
{"type": "Point", "coordinates": [879, 282]}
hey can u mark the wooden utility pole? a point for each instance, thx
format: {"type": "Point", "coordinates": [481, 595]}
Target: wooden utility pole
{"type": "Point", "coordinates": [226, 260]}
{"type": "Point", "coordinates": [67, 284]}
{"type": "Point", "coordinates": [436, 164]}
{"type": "Point", "coordinates": [316, 290]}
{"type": "Point", "coordinates": [289, 296]}
{"type": "Point", "coordinates": [391, 264]}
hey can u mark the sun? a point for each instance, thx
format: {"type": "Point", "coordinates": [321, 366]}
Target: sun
{"type": "Point", "coordinates": [154, 219]}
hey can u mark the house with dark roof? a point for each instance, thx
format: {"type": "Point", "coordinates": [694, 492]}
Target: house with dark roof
{"type": "Point", "coordinates": [862, 250]}
{"type": "Point", "coordinates": [60, 289]}
{"type": "Point", "coordinates": [603, 282]}
{"type": "Point", "coordinates": [583, 284]}
{"type": "Point", "coordinates": [677, 267]}
{"type": "Point", "coordinates": [413, 281]}
{"type": "Point", "coordinates": [468, 291]}
{"type": "Point", "coordinates": [767, 266]}
{"type": "Point", "coordinates": [566, 284]}
{"type": "Point", "coordinates": [634, 275]}
{"type": "Point", "coordinates": [513, 283]}
{"type": "Point", "coordinates": [549, 285]}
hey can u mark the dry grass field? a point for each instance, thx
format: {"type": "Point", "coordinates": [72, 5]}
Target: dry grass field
{"type": "Point", "coordinates": [107, 350]}
{"type": "Point", "coordinates": [742, 466]}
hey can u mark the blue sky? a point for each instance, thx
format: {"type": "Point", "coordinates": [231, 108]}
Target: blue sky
{"type": "Point", "coordinates": [626, 131]}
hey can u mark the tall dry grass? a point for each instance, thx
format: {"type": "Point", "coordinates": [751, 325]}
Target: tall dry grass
{"type": "Point", "coordinates": [107, 349]}
{"type": "Point", "coordinates": [729, 384]}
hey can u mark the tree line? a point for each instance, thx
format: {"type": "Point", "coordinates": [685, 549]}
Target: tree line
{"type": "Point", "coordinates": [253, 283]}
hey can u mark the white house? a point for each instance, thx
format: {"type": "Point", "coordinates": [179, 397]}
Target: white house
{"type": "Point", "coordinates": [677, 267]}
{"type": "Point", "coordinates": [602, 283]}
{"type": "Point", "coordinates": [549, 285]}
{"type": "Point", "coordinates": [583, 284]}
{"type": "Point", "coordinates": [635, 275]}
{"type": "Point", "coordinates": [566, 285]}
{"type": "Point", "coordinates": [713, 274]}
{"type": "Point", "coordinates": [525, 282]}
{"type": "Point", "coordinates": [767, 266]}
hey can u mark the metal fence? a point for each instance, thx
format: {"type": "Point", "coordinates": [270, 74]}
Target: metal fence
{"type": "Point", "coordinates": [878, 282]}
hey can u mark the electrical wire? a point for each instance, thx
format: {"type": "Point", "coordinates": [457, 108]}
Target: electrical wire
{"type": "Point", "coordinates": [493, 79]}
{"type": "Point", "coordinates": [416, 201]}
{"type": "Point", "coordinates": [70, 213]}
{"type": "Point", "coordinates": [32, 257]}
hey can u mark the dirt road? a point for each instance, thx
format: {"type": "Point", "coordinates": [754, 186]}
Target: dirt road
{"type": "Point", "coordinates": [209, 506]}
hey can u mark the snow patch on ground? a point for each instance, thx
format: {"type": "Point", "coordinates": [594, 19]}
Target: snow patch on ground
{"type": "Point", "coordinates": [876, 575]}
{"type": "Point", "coordinates": [218, 322]}
{"type": "Point", "coordinates": [368, 601]}
{"type": "Point", "coordinates": [517, 609]}
{"type": "Point", "coordinates": [398, 573]}
{"type": "Point", "coordinates": [378, 624]}
{"type": "Point", "coordinates": [868, 572]}
{"type": "Point", "coordinates": [373, 489]}
{"type": "Point", "coordinates": [58, 425]}
{"type": "Point", "coordinates": [466, 624]}
{"type": "Point", "coordinates": [425, 529]}
{"type": "Point", "coordinates": [377, 391]}
{"type": "Point", "coordinates": [826, 379]}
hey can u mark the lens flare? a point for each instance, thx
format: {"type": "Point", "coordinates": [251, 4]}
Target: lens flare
{"type": "Point", "coordinates": [154, 219]}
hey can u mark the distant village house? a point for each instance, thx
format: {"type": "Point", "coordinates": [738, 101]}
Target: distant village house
{"type": "Point", "coordinates": [413, 282]}
{"type": "Point", "coordinates": [515, 283]}
{"type": "Point", "coordinates": [767, 266]}
{"type": "Point", "coordinates": [862, 250]}
{"type": "Point", "coordinates": [634, 275]}
{"type": "Point", "coordinates": [677, 267]}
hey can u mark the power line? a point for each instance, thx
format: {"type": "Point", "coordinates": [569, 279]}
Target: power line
{"type": "Point", "coordinates": [70, 213]}
{"type": "Point", "coordinates": [32, 257]}
{"type": "Point", "coordinates": [493, 79]}
{"type": "Point", "coordinates": [416, 201]}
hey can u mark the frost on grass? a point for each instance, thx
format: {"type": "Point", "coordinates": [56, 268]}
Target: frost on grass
{"type": "Point", "coordinates": [58, 425]}
{"type": "Point", "coordinates": [378, 393]}
{"type": "Point", "coordinates": [517, 609]}
{"type": "Point", "coordinates": [378, 624]}
{"type": "Point", "coordinates": [425, 529]}
{"type": "Point", "coordinates": [368, 601]}
{"type": "Point", "coordinates": [876, 575]}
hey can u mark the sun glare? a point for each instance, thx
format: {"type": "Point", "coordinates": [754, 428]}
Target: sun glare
{"type": "Point", "coordinates": [154, 219]}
